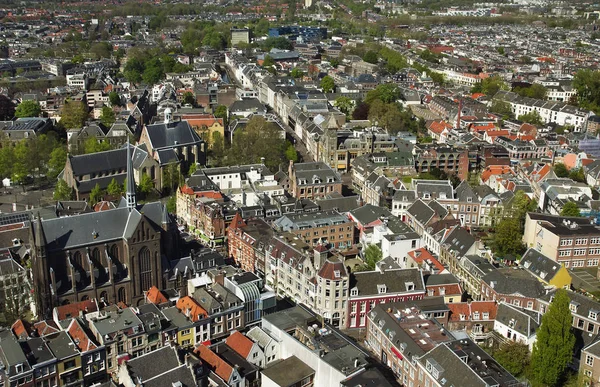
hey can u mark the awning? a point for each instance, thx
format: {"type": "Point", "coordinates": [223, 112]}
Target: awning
{"type": "Point", "coordinates": [396, 353]}
{"type": "Point", "coordinates": [122, 358]}
{"type": "Point", "coordinates": [206, 343]}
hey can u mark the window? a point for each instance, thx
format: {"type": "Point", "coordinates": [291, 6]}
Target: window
{"type": "Point", "coordinates": [579, 252]}
{"type": "Point", "coordinates": [589, 360]}
{"type": "Point", "coordinates": [145, 268]}
{"type": "Point", "coordinates": [591, 327]}
{"type": "Point", "coordinates": [581, 241]}
{"type": "Point", "coordinates": [566, 242]}
{"type": "Point", "coordinates": [593, 314]}
{"type": "Point", "coordinates": [564, 253]}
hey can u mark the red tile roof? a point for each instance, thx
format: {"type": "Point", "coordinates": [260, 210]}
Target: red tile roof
{"type": "Point", "coordinates": [422, 255]}
{"type": "Point", "coordinates": [493, 170]}
{"type": "Point", "coordinates": [331, 267]}
{"type": "Point", "coordinates": [240, 344]}
{"type": "Point", "coordinates": [214, 362]}
{"type": "Point", "coordinates": [21, 329]}
{"type": "Point", "coordinates": [188, 306]}
{"type": "Point", "coordinates": [237, 221]}
{"type": "Point", "coordinates": [44, 328]}
{"type": "Point", "coordinates": [155, 296]}
{"type": "Point", "coordinates": [468, 308]}
{"type": "Point", "coordinates": [80, 338]}
{"type": "Point", "coordinates": [72, 310]}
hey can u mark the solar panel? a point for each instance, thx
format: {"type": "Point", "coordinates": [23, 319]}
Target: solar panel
{"type": "Point", "coordinates": [6, 219]}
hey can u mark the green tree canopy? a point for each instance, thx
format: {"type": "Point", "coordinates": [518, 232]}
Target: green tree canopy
{"type": "Point", "coordinates": [501, 108]}
{"type": "Point", "coordinates": [514, 357]}
{"type": "Point", "coordinates": [553, 349]}
{"type": "Point", "coordinates": [172, 204]}
{"type": "Point", "coordinates": [146, 185]}
{"type": "Point", "coordinates": [296, 73]}
{"type": "Point", "coordinates": [291, 153]}
{"type": "Point", "coordinates": [578, 175]}
{"type": "Point", "coordinates": [28, 108]}
{"type": "Point", "coordinates": [532, 118]}
{"type": "Point", "coordinates": [570, 209]}
{"type": "Point", "coordinates": [114, 189]}
{"type": "Point", "coordinates": [96, 194]}
{"type": "Point", "coordinates": [370, 57]}
{"type": "Point", "coordinates": [107, 117]}
{"type": "Point", "coordinates": [57, 161]}
{"type": "Point", "coordinates": [345, 104]}
{"type": "Point", "coordinates": [561, 170]}
{"type": "Point", "coordinates": [587, 84]}
{"type": "Point", "coordinates": [490, 86]}
{"type": "Point", "coordinates": [536, 90]}
{"type": "Point", "coordinates": [386, 93]}
{"type": "Point", "coordinates": [507, 237]}
{"type": "Point", "coordinates": [114, 98]}
{"type": "Point", "coordinates": [327, 84]}
{"type": "Point", "coordinates": [74, 114]}
{"type": "Point", "coordinates": [92, 145]}
{"type": "Point", "coordinates": [373, 255]}
{"type": "Point", "coordinates": [259, 138]}
{"type": "Point", "coordinates": [62, 191]}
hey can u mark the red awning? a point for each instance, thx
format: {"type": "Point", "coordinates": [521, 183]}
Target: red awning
{"type": "Point", "coordinates": [122, 358]}
{"type": "Point", "coordinates": [206, 343]}
{"type": "Point", "coordinates": [396, 353]}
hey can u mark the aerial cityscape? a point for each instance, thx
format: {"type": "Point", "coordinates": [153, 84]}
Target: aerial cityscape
{"type": "Point", "coordinates": [287, 193]}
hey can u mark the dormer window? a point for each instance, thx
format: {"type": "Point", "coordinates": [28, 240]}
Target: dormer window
{"type": "Point", "coordinates": [462, 317]}
{"type": "Point", "coordinates": [330, 180]}
{"type": "Point", "coordinates": [354, 292]}
{"type": "Point", "coordinates": [426, 195]}
{"type": "Point", "coordinates": [442, 291]}
{"type": "Point", "coordinates": [573, 306]}
{"type": "Point", "coordinates": [381, 289]}
{"type": "Point", "coordinates": [336, 274]}
{"type": "Point", "coordinates": [486, 316]}
{"type": "Point", "coordinates": [475, 315]}
{"type": "Point", "coordinates": [409, 286]}
{"type": "Point", "coordinates": [593, 314]}
{"type": "Point", "coordinates": [469, 200]}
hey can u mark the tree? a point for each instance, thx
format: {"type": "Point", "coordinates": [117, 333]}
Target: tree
{"type": "Point", "coordinates": [217, 150]}
{"type": "Point", "coordinates": [361, 111]}
{"type": "Point", "coordinates": [291, 153]}
{"type": "Point", "coordinates": [327, 84]}
{"type": "Point", "coordinates": [296, 73]}
{"type": "Point", "coordinates": [377, 109]}
{"type": "Point", "coordinates": [7, 158]}
{"type": "Point", "coordinates": [373, 255]}
{"type": "Point", "coordinates": [345, 104]}
{"type": "Point", "coordinates": [188, 98]}
{"type": "Point", "coordinates": [587, 84]}
{"type": "Point", "coordinates": [259, 138]}
{"type": "Point", "coordinates": [7, 108]}
{"type": "Point", "coordinates": [172, 204]}
{"type": "Point", "coordinates": [577, 175]}
{"type": "Point", "coordinates": [28, 108]}
{"type": "Point", "coordinates": [114, 189]}
{"type": "Point", "coordinates": [561, 170]}
{"type": "Point", "coordinates": [114, 98]}
{"type": "Point", "coordinates": [553, 349]}
{"type": "Point", "coordinates": [536, 91]}
{"type": "Point", "coordinates": [532, 118]}
{"type": "Point", "coordinates": [507, 238]}
{"type": "Point", "coordinates": [22, 162]}
{"type": "Point", "coordinates": [370, 57]}
{"type": "Point", "coordinates": [146, 185]}
{"type": "Point", "coordinates": [514, 357]}
{"type": "Point", "coordinates": [92, 145]}
{"type": "Point", "coordinates": [501, 108]}
{"type": "Point", "coordinates": [490, 86]}
{"type": "Point", "coordinates": [57, 161]}
{"type": "Point", "coordinates": [73, 114]}
{"type": "Point", "coordinates": [62, 191]}
{"type": "Point", "coordinates": [570, 209]}
{"type": "Point", "coordinates": [268, 61]}
{"type": "Point", "coordinates": [193, 168]}
{"type": "Point", "coordinates": [221, 112]}
{"type": "Point", "coordinates": [386, 93]}
{"type": "Point", "coordinates": [96, 194]}
{"type": "Point", "coordinates": [107, 117]}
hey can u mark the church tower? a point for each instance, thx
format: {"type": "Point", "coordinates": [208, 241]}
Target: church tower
{"type": "Point", "coordinates": [41, 275]}
{"type": "Point", "coordinates": [130, 194]}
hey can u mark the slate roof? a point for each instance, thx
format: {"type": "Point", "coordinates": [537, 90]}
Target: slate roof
{"type": "Point", "coordinates": [421, 212]}
{"type": "Point", "coordinates": [171, 134]}
{"type": "Point", "coordinates": [459, 240]}
{"type": "Point", "coordinates": [159, 368]}
{"type": "Point", "coordinates": [584, 304]}
{"type": "Point", "coordinates": [539, 265]}
{"type": "Point", "coordinates": [514, 284]}
{"type": "Point", "coordinates": [395, 280]}
{"type": "Point", "coordinates": [370, 213]}
{"type": "Point", "coordinates": [333, 269]}
{"type": "Point", "coordinates": [79, 230]}
{"type": "Point", "coordinates": [521, 320]}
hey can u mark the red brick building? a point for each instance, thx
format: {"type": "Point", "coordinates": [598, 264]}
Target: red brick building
{"type": "Point", "coordinates": [247, 241]}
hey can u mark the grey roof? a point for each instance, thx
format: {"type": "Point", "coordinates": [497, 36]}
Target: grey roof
{"type": "Point", "coordinates": [513, 282]}
{"type": "Point", "coordinates": [521, 320]}
{"type": "Point", "coordinates": [464, 363]}
{"type": "Point", "coordinates": [396, 281]}
{"type": "Point", "coordinates": [405, 196]}
{"type": "Point", "coordinates": [176, 318]}
{"type": "Point", "coordinates": [459, 240]}
{"type": "Point", "coordinates": [421, 212]}
{"type": "Point", "coordinates": [38, 350]}
{"type": "Point", "coordinates": [370, 213]}
{"type": "Point", "coordinates": [338, 203]}
{"type": "Point", "coordinates": [584, 304]}
{"type": "Point", "coordinates": [61, 345]}
{"type": "Point", "coordinates": [309, 220]}
{"type": "Point", "coordinates": [259, 336]}
{"type": "Point", "coordinates": [94, 227]}
{"type": "Point", "coordinates": [539, 265]}
{"type": "Point", "coordinates": [319, 169]}
{"type": "Point", "coordinates": [247, 105]}
{"type": "Point", "coordinates": [440, 279]}
{"type": "Point", "coordinates": [369, 377]}
{"type": "Point", "coordinates": [435, 188]}
{"type": "Point", "coordinates": [464, 192]}
{"type": "Point", "coordinates": [11, 352]}
{"type": "Point", "coordinates": [116, 321]}
{"type": "Point", "coordinates": [152, 364]}
{"type": "Point", "coordinates": [288, 372]}
{"type": "Point", "coordinates": [172, 134]}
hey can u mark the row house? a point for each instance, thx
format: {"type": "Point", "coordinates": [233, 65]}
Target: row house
{"type": "Point", "coordinates": [476, 318]}
{"type": "Point", "coordinates": [399, 333]}
{"type": "Point", "coordinates": [515, 287]}
{"type": "Point", "coordinates": [555, 193]}
{"type": "Point", "coordinates": [559, 113]}
{"type": "Point", "coordinates": [313, 180]}
{"type": "Point", "coordinates": [519, 150]}
{"type": "Point", "coordinates": [585, 312]}
{"type": "Point", "coordinates": [517, 324]}
{"type": "Point", "coordinates": [315, 278]}
{"type": "Point", "coordinates": [247, 242]}
{"type": "Point", "coordinates": [572, 242]}
{"type": "Point", "coordinates": [371, 288]}
{"type": "Point", "coordinates": [442, 284]}
{"type": "Point", "coordinates": [456, 243]}
{"type": "Point", "coordinates": [589, 366]}
{"type": "Point", "coordinates": [326, 227]}
{"type": "Point", "coordinates": [451, 160]}
{"type": "Point", "coordinates": [470, 269]}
